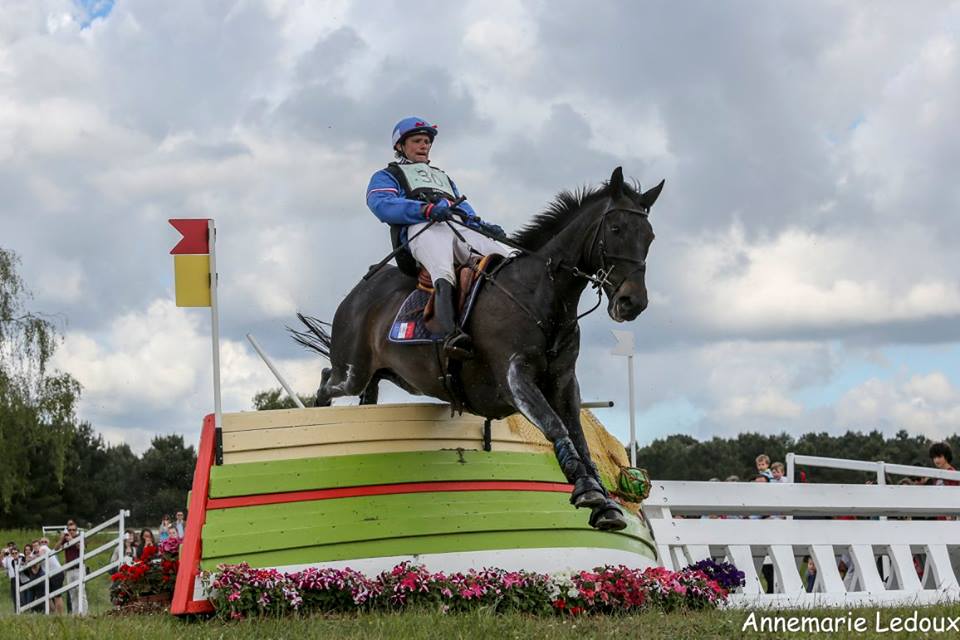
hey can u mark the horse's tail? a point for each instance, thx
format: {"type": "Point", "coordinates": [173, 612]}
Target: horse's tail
{"type": "Point", "coordinates": [316, 337]}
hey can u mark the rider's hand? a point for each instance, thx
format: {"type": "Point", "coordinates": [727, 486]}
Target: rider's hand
{"type": "Point", "coordinates": [494, 230]}
{"type": "Point", "coordinates": [438, 211]}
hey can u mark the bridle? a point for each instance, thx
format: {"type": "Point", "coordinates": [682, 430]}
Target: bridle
{"type": "Point", "coordinates": [601, 277]}
{"type": "Point", "coordinates": [597, 278]}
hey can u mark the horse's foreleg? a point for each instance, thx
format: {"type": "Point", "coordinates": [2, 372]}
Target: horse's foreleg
{"type": "Point", "coordinates": [606, 513]}
{"type": "Point", "coordinates": [530, 401]}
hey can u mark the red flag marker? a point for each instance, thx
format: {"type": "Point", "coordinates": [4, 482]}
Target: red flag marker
{"type": "Point", "coordinates": [196, 238]}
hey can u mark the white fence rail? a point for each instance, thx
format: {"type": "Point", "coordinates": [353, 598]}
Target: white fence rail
{"type": "Point", "coordinates": [748, 524]}
{"type": "Point", "coordinates": [82, 577]}
{"type": "Point", "coordinates": [881, 469]}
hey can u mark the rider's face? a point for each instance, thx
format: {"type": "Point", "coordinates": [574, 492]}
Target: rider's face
{"type": "Point", "coordinates": [416, 148]}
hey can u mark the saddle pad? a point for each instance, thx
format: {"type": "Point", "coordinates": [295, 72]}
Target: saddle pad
{"type": "Point", "coordinates": [409, 327]}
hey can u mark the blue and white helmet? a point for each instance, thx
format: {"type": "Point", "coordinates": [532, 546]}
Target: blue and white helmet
{"type": "Point", "coordinates": [410, 126]}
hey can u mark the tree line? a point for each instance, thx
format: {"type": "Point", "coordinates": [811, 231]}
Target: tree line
{"type": "Point", "coordinates": [682, 457]}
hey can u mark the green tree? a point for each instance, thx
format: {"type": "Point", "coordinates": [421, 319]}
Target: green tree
{"type": "Point", "coordinates": [278, 399]}
{"type": "Point", "coordinates": [164, 476]}
{"type": "Point", "coordinates": [37, 407]}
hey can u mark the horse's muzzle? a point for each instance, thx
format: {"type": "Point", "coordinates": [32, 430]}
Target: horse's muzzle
{"type": "Point", "coordinates": [625, 308]}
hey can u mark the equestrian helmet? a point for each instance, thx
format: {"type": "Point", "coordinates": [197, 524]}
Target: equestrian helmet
{"type": "Point", "coordinates": [410, 126]}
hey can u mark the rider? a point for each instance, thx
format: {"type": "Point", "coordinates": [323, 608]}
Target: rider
{"type": "Point", "coordinates": [408, 195]}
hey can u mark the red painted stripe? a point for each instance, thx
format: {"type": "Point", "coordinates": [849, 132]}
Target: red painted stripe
{"type": "Point", "coordinates": [385, 490]}
{"type": "Point", "coordinates": [183, 602]}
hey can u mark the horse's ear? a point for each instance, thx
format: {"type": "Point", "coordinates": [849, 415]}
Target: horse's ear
{"type": "Point", "coordinates": [616, 183]}
{"type": "Point", "coordinates": [648, 198]}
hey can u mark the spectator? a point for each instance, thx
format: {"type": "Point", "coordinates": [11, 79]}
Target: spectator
{"type": "Point", "coordinates": [11, 558]}
{"type": "Point", "coordinates": [811, 573]}
{"type": "Point", "coordinates": [942, 457]}
{"type": "Point", "coordinates": [732, 478]}
{"type": "Point", "coordinates": [28, 575]}
{"type": "Point", "coordinates": [53, 568]}
{"type": "Point", "coordinates": [146, 540]}
{"type": "Point", "coordinates": [164, 527]}
{"type": "Point", "coordinates": [763, 465]}
{"type": "Point", "coordinates": [172, 533]}
{"type": "Point", "coordinates": [72, 574]}
{"type": "Point", "coordinates": [180, 524]}
{"type": "Point", "coordinates": [129, 545]}
{"type": "Point", "coordinates": [778, 472]}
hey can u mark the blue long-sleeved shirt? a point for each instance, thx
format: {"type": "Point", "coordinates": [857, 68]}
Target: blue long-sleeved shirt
{"type": "Point", "coordinates": [387, 200]}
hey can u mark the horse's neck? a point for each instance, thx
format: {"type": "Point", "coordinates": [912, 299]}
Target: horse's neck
{"type": "Point", "coordinates": [556, 286]}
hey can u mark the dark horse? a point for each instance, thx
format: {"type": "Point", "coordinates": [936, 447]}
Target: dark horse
{"type": "Point", "coordinates": [524, 326]}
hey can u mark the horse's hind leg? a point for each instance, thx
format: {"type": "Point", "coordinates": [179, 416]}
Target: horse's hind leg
{"type": "Point", "coordinates": [372, 391]}
{"type": "Point", "coordinates": [340, 380]}
{"type": "Point", "coordinates": [323, 396]}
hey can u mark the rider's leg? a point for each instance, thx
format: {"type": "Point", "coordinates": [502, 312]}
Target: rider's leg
{"type": "Point", "coordinates": [434, 249]}
{"type": "Point", "coordinates": [479, 243]}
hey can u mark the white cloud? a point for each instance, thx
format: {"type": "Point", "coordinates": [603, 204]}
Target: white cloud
{"type": "Point", "coordinates": [809, 154]}
{"type": "Point", "coordinates": [928, 404]}
{"type": "Point", "coordinates": [810, 280]}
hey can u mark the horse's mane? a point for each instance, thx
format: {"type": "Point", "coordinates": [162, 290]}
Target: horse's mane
{"type": "Point", "coordinates": [559, 213]}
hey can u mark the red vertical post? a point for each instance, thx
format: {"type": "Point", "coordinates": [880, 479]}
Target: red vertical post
{"type": "Point", "coordinates": [190, 552]}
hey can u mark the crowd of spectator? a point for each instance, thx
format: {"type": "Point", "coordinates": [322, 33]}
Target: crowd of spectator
{"type": "Point", "coordinates": [17, 560]}
{"type": "Point", "coordinates": [941, 456]}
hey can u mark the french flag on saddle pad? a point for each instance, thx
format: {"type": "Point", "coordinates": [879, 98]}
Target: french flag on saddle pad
{"type": "Point", "coordinates": [403, 330]}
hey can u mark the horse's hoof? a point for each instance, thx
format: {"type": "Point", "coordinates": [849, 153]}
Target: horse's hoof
{"type": "Point", "coordinates": [589, 500]}
{"type": "Point", "coordinates": [608, 517]}
{"type": "Point", "coordinates": [587, 492]}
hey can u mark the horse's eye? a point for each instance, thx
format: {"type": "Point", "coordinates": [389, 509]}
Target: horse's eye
{"type": "Point", "coordinates": [614, 229]}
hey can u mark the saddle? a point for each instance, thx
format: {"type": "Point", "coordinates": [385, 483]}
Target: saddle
{"type": "Point", "coordinates": [467, 276]}
{"type": "Point", "coordinates": [412, 323]}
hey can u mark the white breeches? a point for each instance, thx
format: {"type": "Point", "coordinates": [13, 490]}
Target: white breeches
{"type": "Point", "coordinates": [439, 250]}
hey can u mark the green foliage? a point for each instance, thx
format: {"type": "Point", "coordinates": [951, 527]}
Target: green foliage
{"type": "Point", "coordinates": [278, 399]}
{"type": "Point", "coordinates": [36, 407]}
{"type": "Point", "coordinates": [164, 476]}
{"type": "Point", "coordinates": [681, 457]}
{"type": "Point", "coordinates": [55, 468]}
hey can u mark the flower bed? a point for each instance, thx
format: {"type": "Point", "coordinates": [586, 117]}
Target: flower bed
{"type": "Point", "coordinates": [150, 579]}
{"type": "Point", "coordinates": [239, 591]}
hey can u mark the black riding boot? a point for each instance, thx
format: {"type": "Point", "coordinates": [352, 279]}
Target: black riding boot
{"type": "Point", "coordinates": [456, 343]}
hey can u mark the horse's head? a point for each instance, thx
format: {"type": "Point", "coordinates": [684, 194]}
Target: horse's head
{"type": "Point", "coordinates": [620, 245]}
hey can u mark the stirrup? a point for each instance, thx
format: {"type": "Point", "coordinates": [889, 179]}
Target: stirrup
{"type": "Point", "coordinates": [458, 345]}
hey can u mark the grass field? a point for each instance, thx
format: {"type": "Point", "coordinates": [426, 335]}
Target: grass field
{"type": "Point", "coordinates": [428, 624]}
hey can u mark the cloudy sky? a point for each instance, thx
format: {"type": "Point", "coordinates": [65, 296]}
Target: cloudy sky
{"type": "Point", "coordinates": [801, 278]}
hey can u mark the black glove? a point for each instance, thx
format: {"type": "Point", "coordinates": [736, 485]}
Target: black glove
{"type": "Point", "coordinates": [494, 230]}
{"type": "Point", "coordinates": [439, 212]}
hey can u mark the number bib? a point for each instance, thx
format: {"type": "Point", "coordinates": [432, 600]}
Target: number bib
{"type": "Point", "coordinates": [424, 181]}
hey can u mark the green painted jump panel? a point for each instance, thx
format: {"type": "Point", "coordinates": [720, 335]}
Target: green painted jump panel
{"type": "Point", "coordinates": [451, 543]}
{"type": "Point", "coordinates": [274, 516]}
{"type": "Point", "coordinates": [277, 476]}
{"type": "Point", "coordinates": [368, 518]}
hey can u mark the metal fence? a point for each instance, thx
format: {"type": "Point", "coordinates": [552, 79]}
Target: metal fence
{"type": "Point", "coordinates": [80, 577]}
